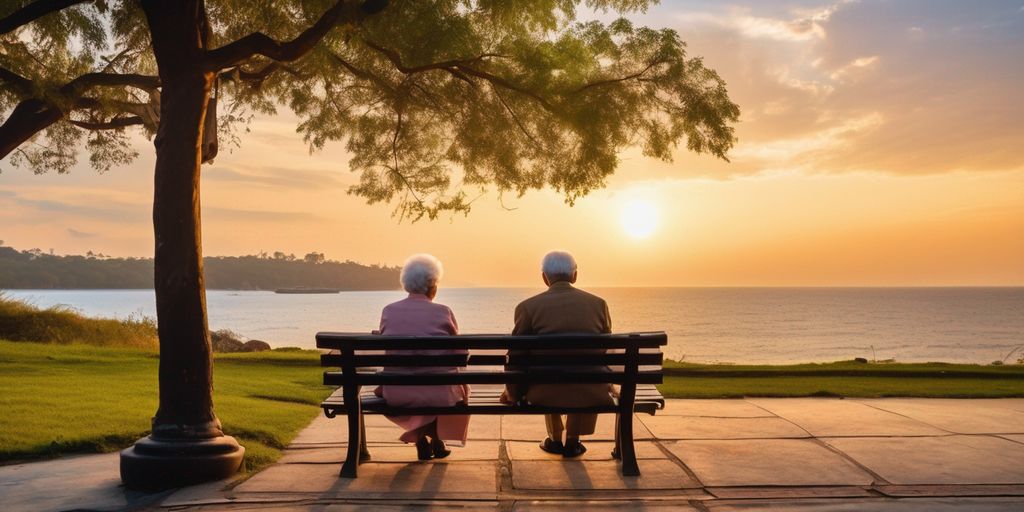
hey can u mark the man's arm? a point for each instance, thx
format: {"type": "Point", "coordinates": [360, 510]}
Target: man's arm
{"type": "Point", "coordinates": [606, 319]}
{"type": "Point", "coordinates": [523, 325]}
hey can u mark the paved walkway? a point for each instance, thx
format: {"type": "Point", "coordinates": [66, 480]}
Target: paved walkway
{"type": "Point", "coordinates": [720, 455]}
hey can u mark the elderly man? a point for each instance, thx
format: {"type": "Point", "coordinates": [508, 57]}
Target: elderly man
{"type": "Point", "coordinates": [562, 309]}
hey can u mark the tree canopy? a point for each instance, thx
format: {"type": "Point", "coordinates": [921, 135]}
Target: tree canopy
{"type": "Point", "coordinates": [433, 99]}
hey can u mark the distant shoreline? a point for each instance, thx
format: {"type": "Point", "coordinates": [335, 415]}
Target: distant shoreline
{"type": "Point", "coordinates": [597, 287]}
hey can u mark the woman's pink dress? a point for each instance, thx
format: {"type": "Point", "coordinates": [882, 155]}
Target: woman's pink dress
{"type": "Point", "coordinates": [417, 315]}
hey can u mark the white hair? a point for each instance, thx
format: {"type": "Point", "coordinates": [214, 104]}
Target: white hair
{"type": "Point", "coordinates": [558, 264]}
{"type": "Point", "coordinates": [420, 273]}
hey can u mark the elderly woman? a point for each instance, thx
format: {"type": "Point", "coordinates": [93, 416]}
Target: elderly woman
{"type": "Point", "coordinates": [419, 315]}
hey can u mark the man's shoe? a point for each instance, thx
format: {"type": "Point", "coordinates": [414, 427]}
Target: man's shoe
{"type": "Point", "coordinates": [551, 446]}
{"type": "Point", "coordinates": [574, 449]}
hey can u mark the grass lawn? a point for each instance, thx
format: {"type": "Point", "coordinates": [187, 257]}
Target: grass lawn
{"type": "Point", "coordinates": [847, 378]}
{"type": "Point", "coordinates": [57, 399]}
{"type": "Point", "coordinates": [75, 398]}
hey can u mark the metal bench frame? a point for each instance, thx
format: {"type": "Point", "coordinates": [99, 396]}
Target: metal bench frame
{"type": "Point", "coordinates": [633, 361]}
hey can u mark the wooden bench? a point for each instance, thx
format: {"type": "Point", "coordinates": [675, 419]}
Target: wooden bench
{"type": "Point", "coordinates": [632, 360]}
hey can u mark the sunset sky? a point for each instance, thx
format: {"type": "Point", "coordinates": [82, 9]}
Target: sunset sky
{"type": "Point", "coordinates": [881, 143]}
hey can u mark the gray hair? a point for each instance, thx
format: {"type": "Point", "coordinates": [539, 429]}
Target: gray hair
{"type": "Point", "coordinates": [420, 273]}
{"type": "Point", "coordinates": [558, 264]}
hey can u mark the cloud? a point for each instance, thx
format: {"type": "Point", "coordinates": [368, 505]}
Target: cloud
{"type": "Point", "coordinates": [805, 25]}
{"type": "Point", "coordinates": [914, 87]}
{"type": "Point", "coordinates": [74, 233]}
{"type": "Point", "coordinates": [216, 214]}
{"type": "Point", "coordinates": [84, 207]}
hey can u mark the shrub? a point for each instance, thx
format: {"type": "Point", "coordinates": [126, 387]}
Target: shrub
{"type": "Point", "coordinates": [21, 321]}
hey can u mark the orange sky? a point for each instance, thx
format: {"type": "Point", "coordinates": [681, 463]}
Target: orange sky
{"type": "Point", "coordinates": [880, 144]}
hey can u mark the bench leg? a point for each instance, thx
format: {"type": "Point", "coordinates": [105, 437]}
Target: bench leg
{"type": "Point", "coordinates": [616, 448]}
{"type": "Point", "coordinates": [355, 432]}
{"type": "Point", "coordinates": [626, 449]}
{"type": "Point", "coordinates": [364, 453]}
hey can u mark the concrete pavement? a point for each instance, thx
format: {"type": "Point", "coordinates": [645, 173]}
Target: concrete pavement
{"type": "Point", "coordinates": [806, 454]}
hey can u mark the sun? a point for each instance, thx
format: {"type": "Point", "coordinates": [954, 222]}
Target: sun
{"type": "Point", "coordinates": [639, 219]}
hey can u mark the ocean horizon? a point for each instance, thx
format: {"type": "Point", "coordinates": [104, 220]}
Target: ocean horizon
{"type": "Point", "coordinates": [704, 324]}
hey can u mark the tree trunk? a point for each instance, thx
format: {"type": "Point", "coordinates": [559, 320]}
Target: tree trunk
{"type": "Point", "coordinates": [186, 373]}
{"type": "Point", "coordinates": [187, 444]}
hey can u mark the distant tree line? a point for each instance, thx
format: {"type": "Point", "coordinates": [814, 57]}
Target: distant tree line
{"type": "Point", "coordinates": [44, 270]}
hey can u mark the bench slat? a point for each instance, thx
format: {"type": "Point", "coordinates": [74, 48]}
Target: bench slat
{"type": "Point", "coordinates": [461, 360]}
{"type": "Point", "coordinates": [362, 341]}
{"type": "Point", "coordinates": [486, 402]}
{"type": "Point", "coordinates": [533, 377]}
{"type": "Point", "coordinates": [374, 360]}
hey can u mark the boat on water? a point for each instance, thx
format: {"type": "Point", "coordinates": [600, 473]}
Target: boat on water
{"type": "Point", "coordinates": [307, 290]}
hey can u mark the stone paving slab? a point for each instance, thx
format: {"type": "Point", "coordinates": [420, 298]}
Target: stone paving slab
{"type": "Point", "coordinates": [836, 417]}
{"type": "Point", "coordinates": [596, 450]}
{"type": "Point", "coordinates": [747, 493]}
{"type": "Point", "coordinates": [423, 480]}
{"type": "Point", "coordinates": [324, 431]}
{"type": "Point", "coordinates": [938, 460]}
{"type": "Point", "coordinates": [916, 491]}
{"type": "Point", "coordinates": [792, 462]}
{"type": "Point", "coordinates": [876, 505]}
{"type": "Point", "coordinates": [531, 428]}
{"type": "Point", "coordinates": [562, 505]}
{"type": "Point", "coordinates": [716, 408]}
{"type": "Point", "coordinates": [685, 427]}
{"type": "Point", "coordinates": [82, 482]}
{"type": "Point", "coordinates": [1017, 438]}
{"type": "Point", "coordinates": [963, 416]}
{"type": "Point", "coordinates": [474, 450]}
{"type": "Point", "coordinates": [301, 505]}
{"type": "Point", "coordinates": [598, 475]}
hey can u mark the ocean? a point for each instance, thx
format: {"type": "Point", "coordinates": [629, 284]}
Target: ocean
{"type": "Point", "coordinates": [721, 325]}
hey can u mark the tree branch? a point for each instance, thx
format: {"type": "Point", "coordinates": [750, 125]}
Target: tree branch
{"type": "Point", "coordinates": [83, 82]}
{"type": "Point", "coordinates": [28, 118]}
{"type": "Point", "coordinates": [638, 74]}
{"type": "Point", "coordinates": [257, 77]}
{"type": "Point", "coordinates": [365, 75]}
{"type": "Point", "coordinates": [22, 84]}
{"type": "Point", "coordinates": [113, 124]}
{"type": "Point", "coordinates": [258, 43]}
{"type": "Point", "coordinates": [32, 12]}
{"type": "Point", "coordinates": [446, 65]}
{"type": "Point", "coordinates": [463, 67]}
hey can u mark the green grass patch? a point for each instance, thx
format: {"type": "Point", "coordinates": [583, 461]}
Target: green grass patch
{"type": "Point", "coordinates": [59, 399]}
{"type": "Point", "coordinates": [844, 378]}
{"type": "Point", "coordinates": [21, 321]}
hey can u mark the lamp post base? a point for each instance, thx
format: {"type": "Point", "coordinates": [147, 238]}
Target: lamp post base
{"type": "Point", "coordinates": [156, 464]}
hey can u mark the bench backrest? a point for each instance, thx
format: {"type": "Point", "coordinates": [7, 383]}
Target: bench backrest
{"type": "Point", "coordinates": [628, 358]}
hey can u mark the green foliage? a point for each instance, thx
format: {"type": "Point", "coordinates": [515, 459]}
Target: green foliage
{"type": "Point", "coordinates": [35, 269]}
{"type": "Point", "coordinates": [262, 399]}
{"type": "Point", "coordinates": [434, 100]}
{"type": "Point", "coordinates": [24, 322]}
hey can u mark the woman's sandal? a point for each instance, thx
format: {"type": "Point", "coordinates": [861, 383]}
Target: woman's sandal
{"type": "Point", "coordinates": [423, 451]}
{"type": "Point", "coordinates": [551, 446]}
{"type": "Point", "coordinates": [574, 449]}
{"type": "Point", "coordinates": [440, 450]}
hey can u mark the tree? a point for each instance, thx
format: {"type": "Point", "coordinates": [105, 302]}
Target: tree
{"type": "Point", "coordinates": [314, 258]}
{"type": "Point", "coordinates": [431, 98]}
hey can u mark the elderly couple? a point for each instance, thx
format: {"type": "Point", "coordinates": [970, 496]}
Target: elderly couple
{"type": "Point", "coordinates": [560, 309]}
